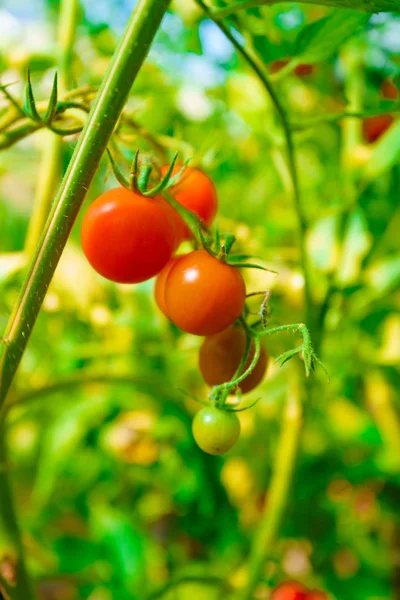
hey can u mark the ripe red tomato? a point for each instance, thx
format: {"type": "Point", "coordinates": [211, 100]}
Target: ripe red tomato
{"type": "Point", "coordinates": [215, 430]}
{"type": "Point", "coordinates": [127, 237]}
{"type": "Point", "coordinates": [374, 127]}
{"type": "Point", "coordinates": [389, 91]}
{"type": "Point", "coordinates": [159, 288]}
{"type": "Point", "coordinates": [220, 356]}
{"type": "Point", "coordinates": [203, 295]}
{"type": "Point", "coordinates": [196, 192]}
{"type": "Point", "coordinates": [290, 590]}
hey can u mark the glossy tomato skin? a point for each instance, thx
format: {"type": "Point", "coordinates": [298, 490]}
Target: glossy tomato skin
{"type": "Point", "coordinates": [290, 590]}
{"type": "Point", "coordinates": [196, 192]}
{"type": "Point", "coordinates": [203, 296]}
{"type": "Point", "coordinates": [159, 287]}
{"type": "Point", "coordinates": [374, 127]}
{"type": "Point", "coordinates": [221, 354]}
{"type": "Point", "coordinates": [127, 237]}
{"type": "Point", "coordinates": [215, 431]}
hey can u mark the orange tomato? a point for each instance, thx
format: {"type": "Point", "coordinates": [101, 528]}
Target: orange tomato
{"type": "Point", "coordinates": [202, 294]}
{"type": "Point", "coordinates": [196, 192]}
{"type": "Point", "coordinates": [127, 237]}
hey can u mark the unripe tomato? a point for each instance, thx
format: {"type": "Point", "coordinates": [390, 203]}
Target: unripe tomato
{"type": "Point", "coordinates": [220, 356]}
{"type": "Point", "coordinates": [374, 127]}
{"type": "Point", "coordinates": [196, 192]}
{"type": "Point", "coordinates": [290, 590]}
{"type": "Point", "coordinates": [203, 295]}
{"type": "Point", "coordinates": [127, 237]}
{"type": "Point", "coordinates": [215, 430]}
{"type": "Point", "coordinates": [159, 288]}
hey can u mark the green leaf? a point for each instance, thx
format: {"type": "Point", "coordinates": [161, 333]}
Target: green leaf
{"type": "Point", "coordinates": [123, 545]}
{"type": "Point", "coordinates": [52, 106]}
{"type": "Point", "coordinates": [320, 40]}
{"type": "Point", "coordinates": [385, 154]}
{"type": "Point", "coordinates": [29, 100]}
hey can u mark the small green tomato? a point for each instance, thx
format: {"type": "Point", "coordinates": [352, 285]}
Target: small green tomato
{"type": "Point", "coordinates": [215, 430]}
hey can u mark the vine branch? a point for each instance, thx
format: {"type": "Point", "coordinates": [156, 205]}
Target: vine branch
{"type": "Point", "coordinates": [371, 6]}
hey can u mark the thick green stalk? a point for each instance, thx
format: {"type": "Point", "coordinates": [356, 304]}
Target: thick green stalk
{"type": "Point", "coordinates": [109, 102]}
{"type": "Point", "coordinates": [276, 497]}
{"type": "Point", "coordinates": [364, 5]}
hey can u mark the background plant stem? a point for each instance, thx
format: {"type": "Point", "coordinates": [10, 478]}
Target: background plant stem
{"type": "Point", "coordinates": [48, 179]}
{"type": "Point", "coordinates": [110, 99]}
{"type": "Point", "coordinates": [49, 170]}
{"type": "Point", "coordinates": [276, 497]}
{"type": "Point", "coordinates": [13, 575]}
{"type": "Point", "coordinates": [365, 5]}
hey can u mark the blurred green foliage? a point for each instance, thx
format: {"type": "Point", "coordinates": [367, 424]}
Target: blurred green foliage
{"type": "Point", "coordinates": [114, 498]}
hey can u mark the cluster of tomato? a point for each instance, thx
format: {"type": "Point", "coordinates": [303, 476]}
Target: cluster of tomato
{"type": "Point", "coordinates": [128, 238]}
{"type": "Point", "coordinates": [291, 590]}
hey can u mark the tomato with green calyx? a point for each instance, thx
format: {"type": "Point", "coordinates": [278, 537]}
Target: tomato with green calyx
{"type": "Point", "coordinates": [159, 288]}
{"type": "Point", "coordinates": [203, 295]}
{"type": "Point", "coordinates": [374, 127]}
{"type": "Point", "coordinates": [196, 192]}
{"type": "Point", "coordinates": [127, 237]}
{"type": "Point", "coordinates": [221, 354]}
{"type": "Point", "coordinates": [216, 431]}
{"type": "Point", "coordinates": [290, 590]}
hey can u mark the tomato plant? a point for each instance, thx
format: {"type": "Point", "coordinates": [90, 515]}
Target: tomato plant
{"type": "Point", "coordinates": [96, 427]}
{"type": "Point", "coordinates": [203, 295]}
{"type": "Point", "coordinates": [220, 356]}
{"type": "Point", "coordinates": [215, 431]}
{"type": "Point", "coordinates": [196, 192]}
{"type": "Point", "coordinates": [127, 237]}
